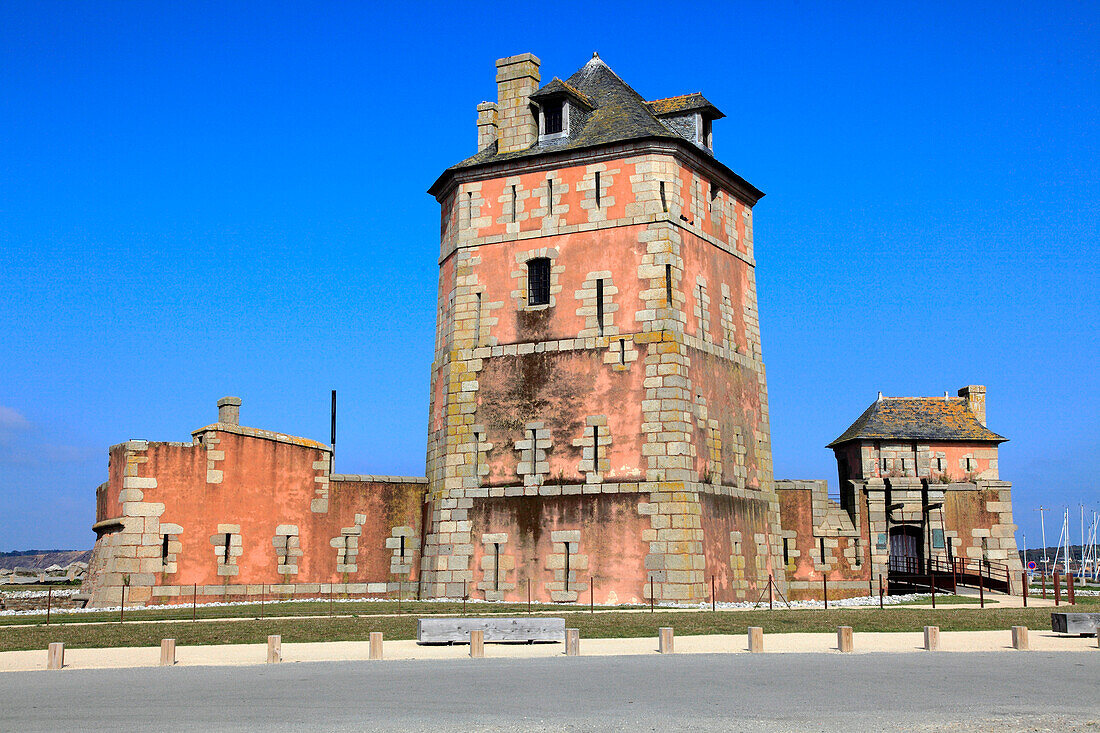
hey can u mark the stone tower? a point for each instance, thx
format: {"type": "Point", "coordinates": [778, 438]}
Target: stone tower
{"type": "Point", "coordinates": [599, 409]}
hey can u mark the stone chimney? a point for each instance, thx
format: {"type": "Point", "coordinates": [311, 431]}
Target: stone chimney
{"type": "Point", "coordinates": [974, 394]}
{"type": "Point", "coordinates": [517, 80]}
{"type": "Point", "coordinates": [229, 410]}
{"type": "Point", "coordinates": [486, 125]}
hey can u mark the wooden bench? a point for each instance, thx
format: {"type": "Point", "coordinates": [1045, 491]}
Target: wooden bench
{"type": "Point", "coordinates": [1084, 624]}
{"type": "Point", "coordinates": [457, 630]}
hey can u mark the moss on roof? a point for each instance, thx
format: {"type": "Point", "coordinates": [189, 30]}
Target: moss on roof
{"type": "Point", "coordinates": [918, 418]}
{"type": "Point", "coordinates": [683, 103]}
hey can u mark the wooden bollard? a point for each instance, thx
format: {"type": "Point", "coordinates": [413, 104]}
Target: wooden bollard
{"type": "Point", "coordinates": [167, 652]}
{"type": "Point", "coordinates": [756, 639]}
{"type": "Point", "coordinates": [931, 638]}
{"type": "Point", "coordinates": [1019, 638]}
{"type": "Point", "coordinates": [477, 643]}
{"type": "Point", "coordinates": [376, 645]}
{"type": "Point", "coordinates": [572, 642]}
{"type": "Point", "coordinates": [274, 649]}
{"type": "Point", "coordinates": [844, 638]}
{"type": "Point", "coordinates": [664, 640]}
{"type": "Point", "coordinates": [55, 655]}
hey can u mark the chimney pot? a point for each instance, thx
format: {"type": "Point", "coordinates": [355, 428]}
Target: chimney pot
{"type": "Point", "coordinates": [229, 411]}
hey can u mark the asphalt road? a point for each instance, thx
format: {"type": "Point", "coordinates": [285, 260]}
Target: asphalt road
{"type": "Point", "coordinates": [864, 692]}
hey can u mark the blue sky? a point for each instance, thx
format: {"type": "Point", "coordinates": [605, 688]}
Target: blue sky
{"type": "Point", "coordinates": [228, 198]}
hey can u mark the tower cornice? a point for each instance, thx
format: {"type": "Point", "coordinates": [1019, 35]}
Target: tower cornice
{"type": "Point", "coordinates": [550, 160]}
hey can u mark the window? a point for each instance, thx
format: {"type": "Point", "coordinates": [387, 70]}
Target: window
{"type": "Point", "coordinates": [599, 305]}
{"type": "Point", "coordinates": [553, 119]}
{"type": "Point", "coordinates": [566, 567]}
{"type": "Point", "coordinates": [477, 320]}
{"type": "Point", "coordinates": [821, 546]}
{"type": "Point", "coordinates": [596, 449]}
{"type": "Point", "coordinates": [477, 470]}
{"type": "Point", "coordinates": [550, 195]}
{"type": "Point", "coordinates": [598, 204]}
{"type": "Point", "coordinates": [668, 285]}
{"type": "Point", "coordinates": [538, 281]}
{"type": "Point", "coordinates": [786, 551]}
{"type": "Point", "coordinates": [164, 550]}
{"type": "Point", "coordinates": [664, 201]}
{"type": "Point", "coordinates": [496, 566]}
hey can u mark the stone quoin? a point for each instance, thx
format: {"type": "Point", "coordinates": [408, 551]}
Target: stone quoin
{"type": "Point", "coordinates": [598, 427]}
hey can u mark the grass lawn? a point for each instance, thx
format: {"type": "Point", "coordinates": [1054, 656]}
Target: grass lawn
{"type": "Point", "coordinates": [592, 626]}
{"type": "Point", "coordinates": [293, 608]}
{"type": "Point", "coordinates": [948, 600]}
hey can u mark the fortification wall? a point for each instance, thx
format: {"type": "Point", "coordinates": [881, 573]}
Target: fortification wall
{"type": "Point", "coordinates": [238, 512]}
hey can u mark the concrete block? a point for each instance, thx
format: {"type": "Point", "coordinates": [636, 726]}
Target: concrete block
{"type": "Point", "coordinates": [274, 649]}
{"type": "Point", "coordinates": [167, 652]}
{"type": "Point", "coordinates": [665, 640]}
{"type": "Point", "coordinates": [1019, 638]}
{"type": "Point", "coordinates": [844, 638]}
{"type": "Point", "coordinates": [55, 655]}
{"type": "Point", "coordinates": [756, 639]}
{"type": "Point", "coordinates": [572, 642]}
{"type": "Point", "coordinates": [931, 638]}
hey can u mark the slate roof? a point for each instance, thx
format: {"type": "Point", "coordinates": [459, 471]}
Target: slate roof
{"type": "Point", "coordinates": [683, 103]}
{"type": "Point", "coordinates": [918, 418]}
{"type": "Point", "coordinates": [619, 114]}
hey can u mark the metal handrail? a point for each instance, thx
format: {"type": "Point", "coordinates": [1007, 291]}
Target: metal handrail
{"type": "Point", "coordinates": [955, 566]}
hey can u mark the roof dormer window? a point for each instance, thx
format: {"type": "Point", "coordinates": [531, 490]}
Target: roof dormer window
{"type": "Point", "coordinates": [560, 107]}
{"type": "Point", "coordinates": [552, 118]}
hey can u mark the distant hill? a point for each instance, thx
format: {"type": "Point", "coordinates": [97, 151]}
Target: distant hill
{"type": "Point", "coordinates": [42, 559]}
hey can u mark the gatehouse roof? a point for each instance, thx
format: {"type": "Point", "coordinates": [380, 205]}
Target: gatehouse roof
{"type": "Point", "coordinates": [929, 419]}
